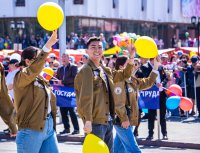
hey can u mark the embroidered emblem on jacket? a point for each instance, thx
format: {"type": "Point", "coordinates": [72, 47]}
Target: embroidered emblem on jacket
{"type": "Point", "coordinates": [37, 84]}
{"type": "Point", "coordinates": [130, 89]}
{"type": "Point", "coordinates": [118, 90]}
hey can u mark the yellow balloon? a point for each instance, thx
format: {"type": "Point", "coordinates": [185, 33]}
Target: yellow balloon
{"type": "Point", "coordinates": [112, 51]}
{"type": "Point", "coordinates": [192, 53]}
{"type": "Point", "coordinates": [146, 47]}
{"type": "Point", "coordinates": [50, 16]}
{"type": "Point", "coordinates": [48, 71]}
{"type": "Point", "coordinates": [93, 144]}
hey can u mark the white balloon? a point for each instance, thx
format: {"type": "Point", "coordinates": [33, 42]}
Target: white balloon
{"type": "Point", "coordinates": [16, 56]}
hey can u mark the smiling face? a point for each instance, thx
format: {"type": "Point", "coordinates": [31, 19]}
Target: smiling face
{"type": "Point", "coordinates": [95, 51]}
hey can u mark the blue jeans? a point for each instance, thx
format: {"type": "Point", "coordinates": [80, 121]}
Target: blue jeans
{"type": "Point", "coordinates": [124, 141]}
{"type": "Point", "coordinates": [31, 141]}
{"type": "Point", "coordinates": [105, 132]}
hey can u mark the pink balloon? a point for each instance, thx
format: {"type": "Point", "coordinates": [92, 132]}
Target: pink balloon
{"type": "Point", "coordinates": [186, 104]}
{"type": "Point", "coordinates": [115, 42]}
{"type": "Point", "coordinates": [176, 89]}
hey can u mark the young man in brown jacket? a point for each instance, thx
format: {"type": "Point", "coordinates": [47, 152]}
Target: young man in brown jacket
{"type": "Point", "coordinates": [94, 90]}
{"type": "Point", "coordinates": [6, 105]}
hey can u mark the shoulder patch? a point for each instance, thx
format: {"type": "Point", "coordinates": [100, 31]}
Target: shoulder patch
{"type": "Point", "coordinates": [130, 89]}
{"type": "Point", "coordinates": [118, 90]}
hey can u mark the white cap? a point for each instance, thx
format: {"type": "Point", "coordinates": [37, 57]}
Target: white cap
{"type": "Point", "coordinates": [52, 55]}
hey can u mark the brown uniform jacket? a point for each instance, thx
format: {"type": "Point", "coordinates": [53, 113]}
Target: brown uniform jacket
{"type": "Point", "coordinates": [31, 98]}
{"type": "Point", "coordinates": [120, 97]}
{"type": "Point", "coordinates": [6, 105]}
{"type": "Point", "coordinates": [94, 97]}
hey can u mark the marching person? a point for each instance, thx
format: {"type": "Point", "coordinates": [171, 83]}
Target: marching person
{"type": "Point", "coordinates": [6, 106]}
{"type": "Point", "coordinates": [126, 107]}
{"type": "Point", "coordinates": [143, 72]}
{"type": "Point", "coordinates": [161, 82]}
{"type": "Point", "coordinates": [35, 103]}
{"type": "Point", "coordinates": [191, 77]}
{"type": "Point", "coordinates": [94, 91]}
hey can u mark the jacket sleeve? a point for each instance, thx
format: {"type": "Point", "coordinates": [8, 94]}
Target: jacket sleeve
{"type": "Point", "coordinates": [122, 75]}
{"type": "Point", "coordinates": [6, 105]}
{"type": "Point", "coordinates": [70, 80]}
{"type": "Point", "coordinates": [58, 75]}
{"type": "Point", "coordinates": [146, 83]}
{"type": "Point", "coordinates": [8, 117]}
{"type": "Point", "coordinates": [28, 74]}
{"type": "Point", "coordinates": [84, 93]}
{"type": "Point", "coordinates": [163, 76]}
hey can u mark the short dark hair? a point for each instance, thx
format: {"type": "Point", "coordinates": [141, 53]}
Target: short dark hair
{"type": "Point", "coordinates": [91, 39]}
{"type": "Point", "coordinates": [172, 57]}
{"type": "Point", "coordinates": [28, 53]}
{"type": "Point", "coordinates": [120, 62]}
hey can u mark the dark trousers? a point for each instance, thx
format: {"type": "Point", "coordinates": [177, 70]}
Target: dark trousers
{"type": "Point", "coordinates": [198, 98]}
{"type": "Point", "coordinates": [64, 113]}
{"type": "Point", "coordinates": [152, 115]}
{"type": "Point", "coordinates": [105, 132]}
{"type": "Point", "coordinates": [139, 120]}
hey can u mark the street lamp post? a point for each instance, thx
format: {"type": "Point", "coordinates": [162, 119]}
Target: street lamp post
{"type": "Point", "coordinates": [196, 23]}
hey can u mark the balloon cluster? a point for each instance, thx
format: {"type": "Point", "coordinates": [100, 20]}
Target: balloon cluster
{"type": "Point", "coordinates": [47, 73]}
{"type": "Point", "coordinates": [124, 39]}
{"type": "Point", "coordinates": [145, 46]}
{"type": "Point", "coordinates": [175, 99]}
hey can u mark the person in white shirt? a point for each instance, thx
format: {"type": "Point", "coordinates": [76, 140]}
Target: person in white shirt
{"type": "Point", "coordinates": [14, 68]}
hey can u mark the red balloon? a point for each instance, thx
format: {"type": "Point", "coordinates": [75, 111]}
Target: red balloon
{"type": "Point", "coordinates": [186, 104]}
{"type": "Point", "coordinates": [175, 89]}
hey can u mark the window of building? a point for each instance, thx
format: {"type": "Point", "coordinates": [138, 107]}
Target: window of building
{"type": "Point", "coordinates": [78, 1]}
{"type": "Point", "coordinates": [115, 3]}
{"type": "Point", "coordinates": [169, 7]}
{"type": "Point", "coordinates": [143, 5]}
{"type": "Point", "coordinates": [20, 3]}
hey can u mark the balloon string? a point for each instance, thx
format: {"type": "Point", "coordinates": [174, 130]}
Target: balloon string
{"type": "Point", "coordinates": [169, 90]}
{"type": "Point", "coordinates": [55, 79]}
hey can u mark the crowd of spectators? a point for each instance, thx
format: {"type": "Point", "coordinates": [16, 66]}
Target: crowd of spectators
{"type": "Point", "coordinates": [187, 42]}
{"type": "Point", "coordinates": [73, 41]}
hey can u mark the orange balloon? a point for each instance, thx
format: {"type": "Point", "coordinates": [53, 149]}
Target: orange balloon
{"type": "Point", "coordinates": [175, 89]}
{"type": "Point", "coordinates": [186, 104]}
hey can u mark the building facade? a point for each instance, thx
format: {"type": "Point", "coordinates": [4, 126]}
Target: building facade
{"type": "Point", "coordinates": [156, 18]}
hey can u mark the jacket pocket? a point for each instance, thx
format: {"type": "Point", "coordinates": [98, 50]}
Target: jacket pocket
{"type": "Point", "coordinates": [97, 84]}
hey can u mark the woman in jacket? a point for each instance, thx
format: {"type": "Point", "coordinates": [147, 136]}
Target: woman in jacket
{"type": "Point", "coordinates": [35, 103]}
{"type": "Point", "coordinates": [126, 107]}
